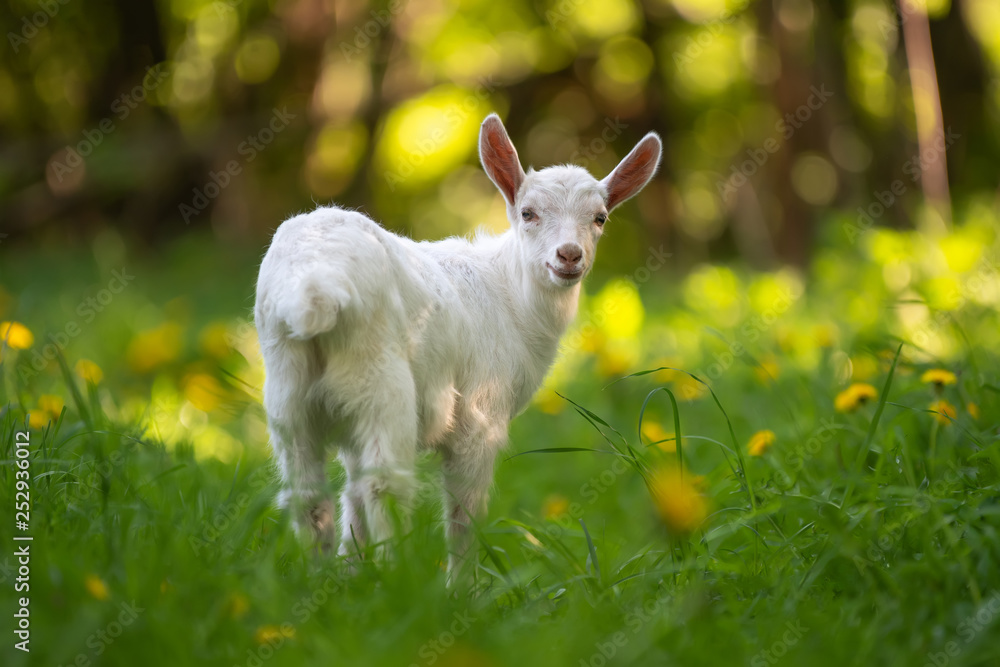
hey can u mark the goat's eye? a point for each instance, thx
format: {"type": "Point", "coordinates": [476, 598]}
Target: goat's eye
{"type": "Point", "coordinates": [600, 219]}
{"type": "Point", "coordinates": [527, 214]}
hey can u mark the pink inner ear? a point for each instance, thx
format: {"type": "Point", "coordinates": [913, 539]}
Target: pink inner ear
{"type": "Point", "coordinates": [632, 174]}
{"type": "Point", "coordinates": [500, 160]}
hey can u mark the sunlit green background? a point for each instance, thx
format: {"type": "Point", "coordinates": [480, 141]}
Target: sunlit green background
{"type": "Point", "coordinates": [825, 195]}
{"type": "Point", "coordinates": [379, 108]}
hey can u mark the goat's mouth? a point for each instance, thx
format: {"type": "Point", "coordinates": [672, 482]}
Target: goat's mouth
{"type": "Point", "coordinates": [564, 277]}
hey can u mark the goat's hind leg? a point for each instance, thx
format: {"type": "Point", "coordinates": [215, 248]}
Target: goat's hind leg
{"type": "Point", "coordinates": [299, 445]}
{"type": "Point", "coordinates": [353, 533]}
{"type": "Point", "coordinates": [301, 462]}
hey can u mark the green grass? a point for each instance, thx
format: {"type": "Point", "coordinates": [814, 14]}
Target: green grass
{"type": "Point", "coordinates": [869, 538]}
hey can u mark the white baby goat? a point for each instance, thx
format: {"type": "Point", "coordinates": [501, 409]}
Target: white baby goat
{"type": "Point", "coordinates": [384, 346]}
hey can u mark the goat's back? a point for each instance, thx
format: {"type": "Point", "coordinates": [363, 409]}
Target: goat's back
{"type": "Point", "coordinates": [369, 296]}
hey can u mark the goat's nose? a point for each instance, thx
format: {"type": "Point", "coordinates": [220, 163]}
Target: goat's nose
{"type": "Point", "coordinates": [569, 253]}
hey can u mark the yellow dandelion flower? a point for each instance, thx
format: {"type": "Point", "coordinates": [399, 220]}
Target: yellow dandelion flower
{"type": "Point", "coordinates": [51, 404]}
{"type": "Point", "coordinates": [617, 358]}
{"type": "Point", "coordinates": [787, 338]}
{"type": "Point", "coordinates": [96, 587]}
{"type": "Point", "coordinates": [760, 442]}
{"type": "Point", "coordinates": [654, 432]}
{"type": "Point", "coordinates": [699, 482]}
{"type": "Point", "coordinates": [944, 410]}
{"type": "Point", "coordinates": [665, 375]}
{"type": "Point", "coordinates": [767, 371]}
{"type": "Point", "coordinates": [214, 341]}
{"type": "Point", "coordinates": [972, 409]}
{"type": "Point", "coordinates": [854, 396]}
{"type": "Point", "coordinates": [548, 401]}
{"type": "Point", "coordinates": [618, 311]}
{"type": "Point", "coordinates": [89, 371]}
{"type": "Point", "coordinates": [16, 336]}
{"type": "Point", "coordinates": [238, 605]}
{"type": "Point", "coordinates": [680, 505]}
{"type": "Point", "coordinates": [825, 335]}
{"type": "Point", "coordinates": [272, 634]}
{"type": "Point", "coordinates": [152, 348]}
{"type": "Point", "coordinates": [203, 391]}
{"type": "Point", "coordinates": [686, 388]}
{"type": "Point", "coordinates": [49, 408]}
{"type": "Point", "coordinates": [591, 339]}
{"type": "Point", "coordinates": [864, 367]}
{"type": "Point", "coordinates": [555, 506]}
{"type": "Point", "coordinates": [939, 377]}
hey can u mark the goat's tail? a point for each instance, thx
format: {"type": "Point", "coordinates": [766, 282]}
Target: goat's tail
{"type": "Point", "coordinates": [313, 304]}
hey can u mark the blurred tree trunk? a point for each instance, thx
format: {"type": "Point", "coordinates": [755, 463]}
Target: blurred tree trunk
{"type": "Point", "coordinates": [141, 36]}
{"type": "Point", "coordinates": [927, 106]}
{"type": "Point", "coordinates": [790, 91]}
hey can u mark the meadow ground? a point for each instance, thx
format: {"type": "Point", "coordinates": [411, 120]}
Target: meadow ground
{"type": "Point", "coordinates": [833, 500]}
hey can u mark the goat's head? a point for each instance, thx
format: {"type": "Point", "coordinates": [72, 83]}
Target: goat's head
{"type": "Point", "coordinates": [558, 213]}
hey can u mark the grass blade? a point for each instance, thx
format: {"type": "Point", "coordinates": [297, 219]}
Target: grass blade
{"type": "Point", "coordinates": [678, 438]}
{"type": "Point", "coordinates": [866, 447]}
{"type": "Point", "coordinates": [593, 551]}
{"type": "Point", "coordinates": [742, 474]}
{"type": "Point", "coordinates": [563, 450]}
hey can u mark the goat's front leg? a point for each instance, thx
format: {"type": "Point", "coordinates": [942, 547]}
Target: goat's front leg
{"type": "Point", "coordinates": [468, 476]}
{"type": "Point", "coordinates": [381, 482]}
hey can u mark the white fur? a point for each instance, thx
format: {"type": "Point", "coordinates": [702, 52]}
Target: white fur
{"type": "Point", "coordinates": [384, 346]}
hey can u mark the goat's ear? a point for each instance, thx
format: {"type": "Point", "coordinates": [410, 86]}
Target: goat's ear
{"type": "Point", "coordinates": [632, 173]}
{"type": "Point", "coordinates": [499, 158]}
